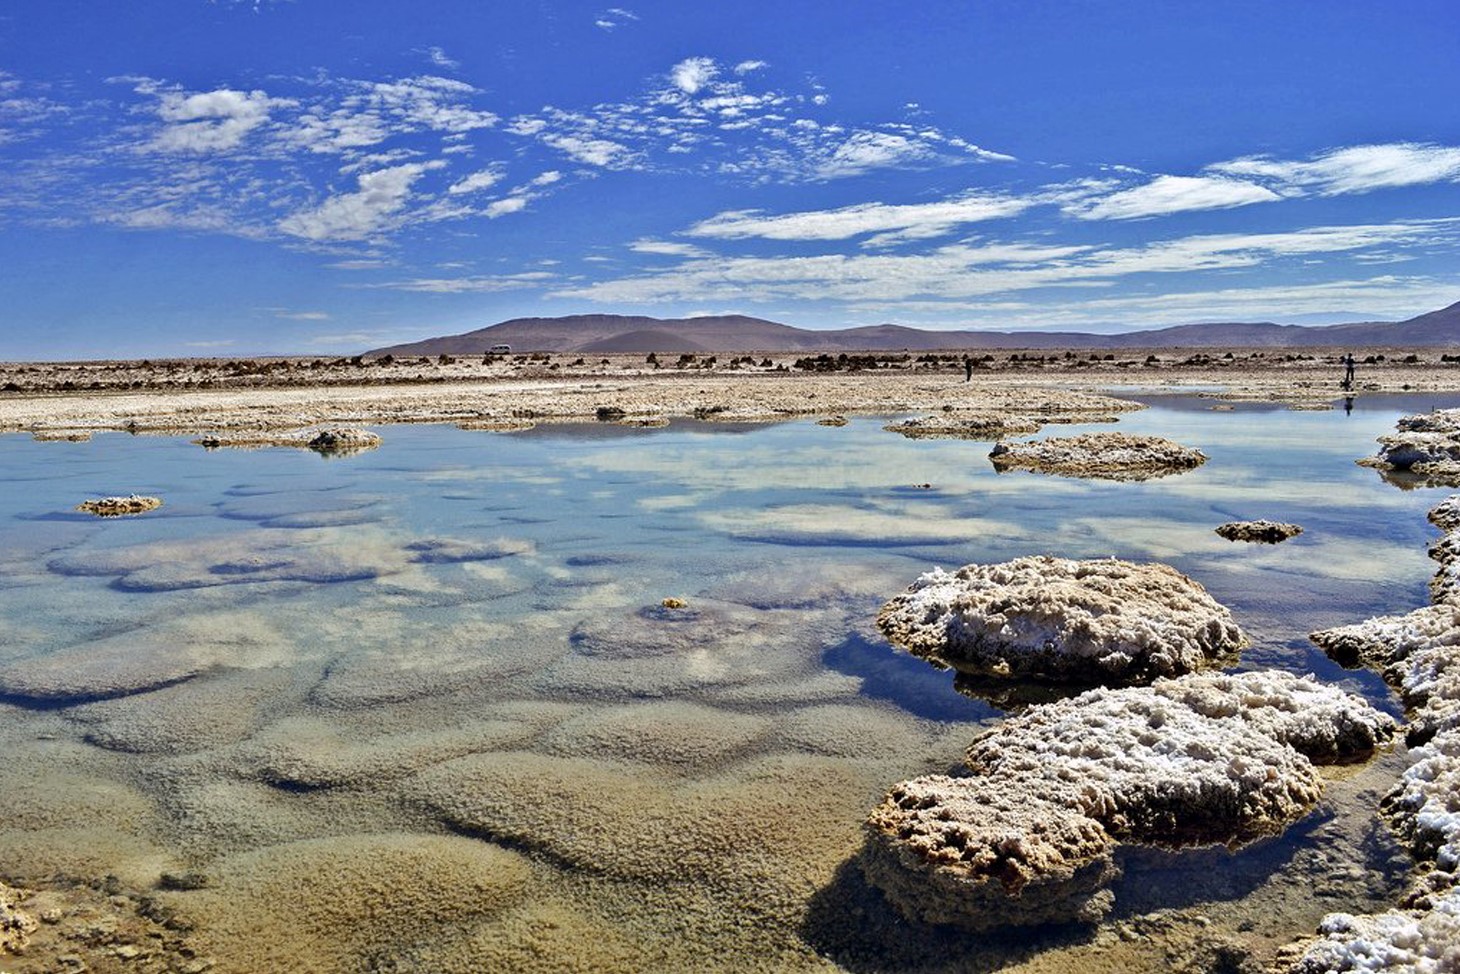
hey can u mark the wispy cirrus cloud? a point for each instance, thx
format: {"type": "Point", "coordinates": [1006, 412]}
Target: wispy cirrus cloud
{"type": "Point", "coordinates": [1355, 169]}
{"type": "Point", "coordinates": [907, 221]}
{"type": "Point", "coordinates": [962, 272]}
{"type": "Point", "coordinates": [1165, 195]}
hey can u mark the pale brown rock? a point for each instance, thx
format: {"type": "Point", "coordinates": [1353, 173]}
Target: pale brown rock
{"type": "Point", "coordinates": [1101, 456]}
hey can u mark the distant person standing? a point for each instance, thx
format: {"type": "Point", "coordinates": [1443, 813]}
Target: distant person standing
{"type": "Point", "coordinates": [1348, 370]}
{"type": "Point", "coordinates": [967, 368]}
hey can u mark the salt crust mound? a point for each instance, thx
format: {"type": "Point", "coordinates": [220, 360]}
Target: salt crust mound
{"type": "Point", "coordinates": [1029, 836]}
{"type": "Point", "coordinates": [334, 441]}
{"type": "Point", "coordinates": [197, 715]}
{"type": "Point", "coordinates": [344, 901]}
{"type": "Point", "coordinates": [659, 652]}
{"type": "Point", "coordinates": [1400, 941]}
{"type": "Point", "coordinates": [147, 659]}
{"type": "Point", "coordinates": [241, 558]}
{"type": "Point", "coordinates": [776, 821]}
{"type": "Point", "coordinates": [117, 506]}
{"type": "Point", "coordinates": [1262, 531]}
{"type": "Point", "coordinates": [1428, 443]}
{"type": "Point", "coordinates": [980, 426]}
{"type": "Point", "coordinates": [669, 734]}
{"type": "Point", "coordinates": [1062, 619]}
{"type": "Point", "coordinates": [1103, 456]}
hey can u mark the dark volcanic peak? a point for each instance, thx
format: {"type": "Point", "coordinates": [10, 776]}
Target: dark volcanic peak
{"type": "Point", "coordinates": [605, 334]}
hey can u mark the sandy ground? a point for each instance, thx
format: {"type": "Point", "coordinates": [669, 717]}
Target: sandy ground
{"type": "Point", "coordinates": [200, 396]}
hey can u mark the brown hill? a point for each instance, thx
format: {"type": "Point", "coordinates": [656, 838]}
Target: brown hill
{"type": "Point", "coordinates": [604, 334]}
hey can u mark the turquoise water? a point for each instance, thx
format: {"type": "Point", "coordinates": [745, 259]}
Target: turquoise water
{"type": "Point", "coordinates": [459, 638]}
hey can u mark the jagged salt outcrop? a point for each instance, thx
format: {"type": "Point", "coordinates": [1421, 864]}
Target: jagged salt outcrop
{"type": "Point", "coordinates": [118, 506]}
{"type": "Point", "coordinates": [1062, 619]}
{"type": "Point", "coordinates": [1428, 443]}
{"type": "Point", "coordinates": [1028, 837]}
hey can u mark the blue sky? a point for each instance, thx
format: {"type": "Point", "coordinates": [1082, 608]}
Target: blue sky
{"type": "Point", "coordinates": [186, 177]}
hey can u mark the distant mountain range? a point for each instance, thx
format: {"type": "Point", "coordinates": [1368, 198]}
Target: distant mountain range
{"type": "Point", "coordinates": [606, 334]}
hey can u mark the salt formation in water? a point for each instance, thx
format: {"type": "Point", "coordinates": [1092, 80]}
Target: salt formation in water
{"type": "Point", "coordinates": [1400, 941]}
{"type": "Point", "coordinates": [117, 506]}
{"type": "Point", "coordinates": [979, 426]}
{"type": "Point", "coordinates": [1103, 456]}
{"type": "Point", "coordinates": [1062, 619]}
{"type": "Point", "coordinates": [1029, 836]}
{"type": "Point", "coordinates": [1428, 443]}
{"type": "Point", "coordinates": [336, 441]}
{"type": "Point", "coordinates": [1262, 531]}
{"type": "Point", "coordinates": [1419, 655]}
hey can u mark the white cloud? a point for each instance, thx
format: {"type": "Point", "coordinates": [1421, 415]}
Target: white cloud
{"type": "Point", "coordinates": [692, 74]}
{"type": "Point", "coordinates": [668, 248]}
{"type": "Point", "coordinates": [303, 315]}
{"type": "Point", "coordinates": [907, 221]}
{"type": "Point", "coordinates": [593, 152]}
{"type": "Point", "coordinates": [1356, 169]}
{"type": "Point", "coordinates": [210, 121]}
{"type": "Point", "coordinates": [504, 206]}
{"type": "Point", "coordinates": [1171, 194]}
{"type": "Point", "coordinates": [614, 17]}
{"type": "Point", "coordinates": [438, 57]}
{"type": "Point", "coordinates": [745, 67]}
{"type": "Point", "coordinates": [477, 181]}
{"type": "Point", "coordinates": [376, 206]}
{"type": "Point", "coordinates": [471, 285]}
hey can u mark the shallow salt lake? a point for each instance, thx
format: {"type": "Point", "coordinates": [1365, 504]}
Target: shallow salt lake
{"type": "Point", "coordinates": [423, 709]}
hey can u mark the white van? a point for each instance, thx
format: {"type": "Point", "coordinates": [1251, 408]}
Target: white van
{"type": "Point", "coordinates": [501, 350]}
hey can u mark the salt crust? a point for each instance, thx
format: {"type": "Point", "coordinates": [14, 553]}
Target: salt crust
{"type": "Point", "coordinates": [979, 426]}
{"type": "Point", "coordinates": [1103, 456]}
{"type": "Point", "coordinates": [1400, 941]}
{"type": "Point", "coordinates": [1428, 443]}
{"type": "Point", "coordinates": [16, 925]}
{"type": "Point", "coordinates": [1418, 654]}
{"type": "Point", "coordinates": [1262, 531]}
{"type": "Point", "coordinates": [1029, 836]}
{"type": "Point", "coordinates": [1062, 619]}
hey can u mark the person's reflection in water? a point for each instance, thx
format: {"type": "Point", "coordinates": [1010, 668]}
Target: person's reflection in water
{"type": "Point", "coordinates": [1348, 405]}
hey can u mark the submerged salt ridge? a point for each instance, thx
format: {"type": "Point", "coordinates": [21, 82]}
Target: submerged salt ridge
{"type": "Point", "coordinates": [444, 668]}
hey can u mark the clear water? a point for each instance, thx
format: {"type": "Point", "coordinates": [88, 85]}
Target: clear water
{"type": "Point", "coordinates": [440, 674]}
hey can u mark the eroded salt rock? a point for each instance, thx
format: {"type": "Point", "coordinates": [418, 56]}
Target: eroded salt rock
{"type": "Point", "coordinates": [1428, 443]}
{"type": "Point", "coordinates": [1103, 456]}
{"type": "Point", "coordinates": [1398, 942]}
{"type": "Point", "coordinates": [1445, 586]}
{"type": "Point", "coordinates": [16, 925]}
{"type": "Point", "coordinates": [1417, 653]}
{"type": "Point", "coordinates": [1446, 514]}
{"type": "Point", "coordinates": [1028, 836]}
{"type": "Point", "coordinates": [1262, 531]}
{"type": "Point", "coordinates": [61, 436]}
{"type": "Point", "coordinates": [951, 850]}
{"type": "Point", "coordinates": [117, 506]}
{"type": "Point", "coordinates": [1062, 619]}
{"type": "Point", "coordinates": [977, 426]}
